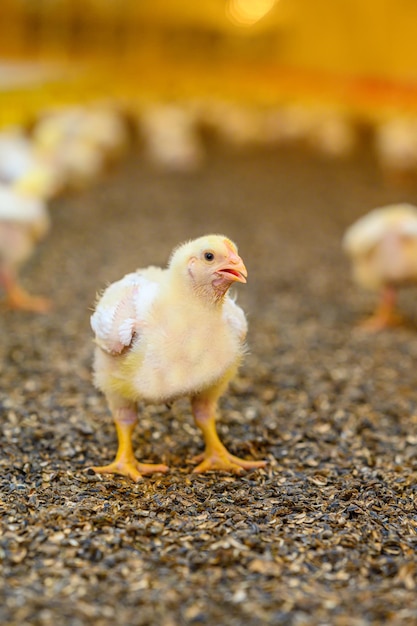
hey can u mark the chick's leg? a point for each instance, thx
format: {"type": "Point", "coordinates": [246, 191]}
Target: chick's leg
{"type": "Point", "coordinates": [215, 455]}
{"type": "Point", "coordinates": [125, 462]}
{"type": "Point", "coordinates": [385, 315]}
{"type": "Point", "coordinates": [18, 298]}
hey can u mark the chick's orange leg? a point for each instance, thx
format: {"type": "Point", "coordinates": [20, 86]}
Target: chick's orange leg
{"type": "Point", "coordinates": [215, 455]}
{"type": "Point", "coordinates": [18, 298]}
{"type": "Point", "coordinates": [385, 315]}
{"type": "Point", "coordinates": [125, 463]}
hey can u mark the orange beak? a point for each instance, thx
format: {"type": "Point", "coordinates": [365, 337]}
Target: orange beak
{"type": "Point", "coordinates": [234, 269]}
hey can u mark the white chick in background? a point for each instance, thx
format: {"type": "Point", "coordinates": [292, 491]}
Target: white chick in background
{"type": "Point", "coordinates": [332, 135]}
{"type": "Point", "coordinates": [326, 131]}
{"type": "Point", "coordinates": [383, 248]}
{"type": "Point", "coordinates": [16, 154]}
{"type": "Point", "coordinates": [233, 124]}
{"type": "Point", "coordinates": [61, 137]}
{"type": "Point", "coordinates": [21, 166]}
{"type": "Point", "coordinates": [104, 127]}
{"type": "Point", "coordinates": [56, 138]}
{"type": "Point", "coordinates": [162, 334]}
{"type": "Point", "coordinates": [289, 124]}
{"type": "Point", "coordinates": [24, 221]}
{"type": "Point", "coordinates": [396, 149]}
{"type": "Point", "coordinates": [170, 137]}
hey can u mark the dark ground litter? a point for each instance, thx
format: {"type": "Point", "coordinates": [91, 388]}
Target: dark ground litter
{"type": "Point", "coordinates": [327, 534]}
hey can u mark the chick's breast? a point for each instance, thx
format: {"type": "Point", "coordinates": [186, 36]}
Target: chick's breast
{"type": "Point", "coordinates": [180, 352]}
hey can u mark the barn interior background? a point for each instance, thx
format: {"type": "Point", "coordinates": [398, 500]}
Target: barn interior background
{"type": "Point", "coordinates": [353, 54]}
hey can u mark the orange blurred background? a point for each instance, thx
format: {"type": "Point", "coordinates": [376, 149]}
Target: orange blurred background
{"type": "Point", "coordinates": [361, 55]}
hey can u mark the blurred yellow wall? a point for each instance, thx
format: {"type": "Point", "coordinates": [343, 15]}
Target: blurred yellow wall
{"type": "Point", "coordinates": [365, 37]}
{"type": "Point", "coordinates": [355, 37]}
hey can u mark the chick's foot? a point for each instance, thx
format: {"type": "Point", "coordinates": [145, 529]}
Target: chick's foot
{"type": "Point", "coordinates": [215, 455]}
{"type": "Point", "coordinates": [125, 463]}
{"type": "Point", "coordinates": [19, 299]}
{"type": "Point", "coordinates": [379, 321]}
{"type": "Point", "coordinates": [131, 469]}
{"type": "Point", "coordinates": [386, 315]}
{"type": "Point", "coordinates": [224, 461]}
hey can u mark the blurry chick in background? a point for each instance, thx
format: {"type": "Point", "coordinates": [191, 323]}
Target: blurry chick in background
{"type": "Point", "coordinates": [22, 168]}
{"type": "Point", "coordinates": [170, 137]}
{"type": "Point", "coordinates": [325, 131]}
{"type": "Point", "coordinates": [383, 248]}
{"type": "Point", "coordinates": [396, 149]}
{"type": "Point", "coordinates": [162, 334]}
{"type": "Point", "coordinates": [80, 141]}
{"type": "Point", "coordinates": [24, 221]}
{"type": "Point", "coordinates": [56, 137]}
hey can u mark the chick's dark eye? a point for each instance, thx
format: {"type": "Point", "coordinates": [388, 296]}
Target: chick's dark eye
{"type": "Point", "coordinates": [209, 256]}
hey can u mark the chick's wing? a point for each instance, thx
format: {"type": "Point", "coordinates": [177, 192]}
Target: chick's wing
{"type": "Point", "coordinates": [120, 311]}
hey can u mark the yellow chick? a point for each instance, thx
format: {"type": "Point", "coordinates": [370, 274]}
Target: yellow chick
{"type": "Point", "coordinates": [162, 334]}
{"type": "Point", "coordinates": [24, 221]}
{"type": "Point", "coordinates": [383, 249]}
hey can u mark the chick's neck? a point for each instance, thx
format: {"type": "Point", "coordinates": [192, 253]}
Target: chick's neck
{"type": "Point", "coordinates": [184, 286]}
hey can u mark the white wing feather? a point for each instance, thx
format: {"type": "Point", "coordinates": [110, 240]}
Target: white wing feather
{"type": "Point", "coordinates": [120, 311]}
{"type": "Point", "coordinates": [236, 318]}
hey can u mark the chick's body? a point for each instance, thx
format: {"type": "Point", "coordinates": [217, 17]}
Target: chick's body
{"type": "Point", "coordinates": [170, 358]}
{"type": "Point", "coordinates": [164, 334]}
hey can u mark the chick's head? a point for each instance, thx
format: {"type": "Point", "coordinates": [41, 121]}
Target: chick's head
{"type": "Point", "coordinates": [209, 265]}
